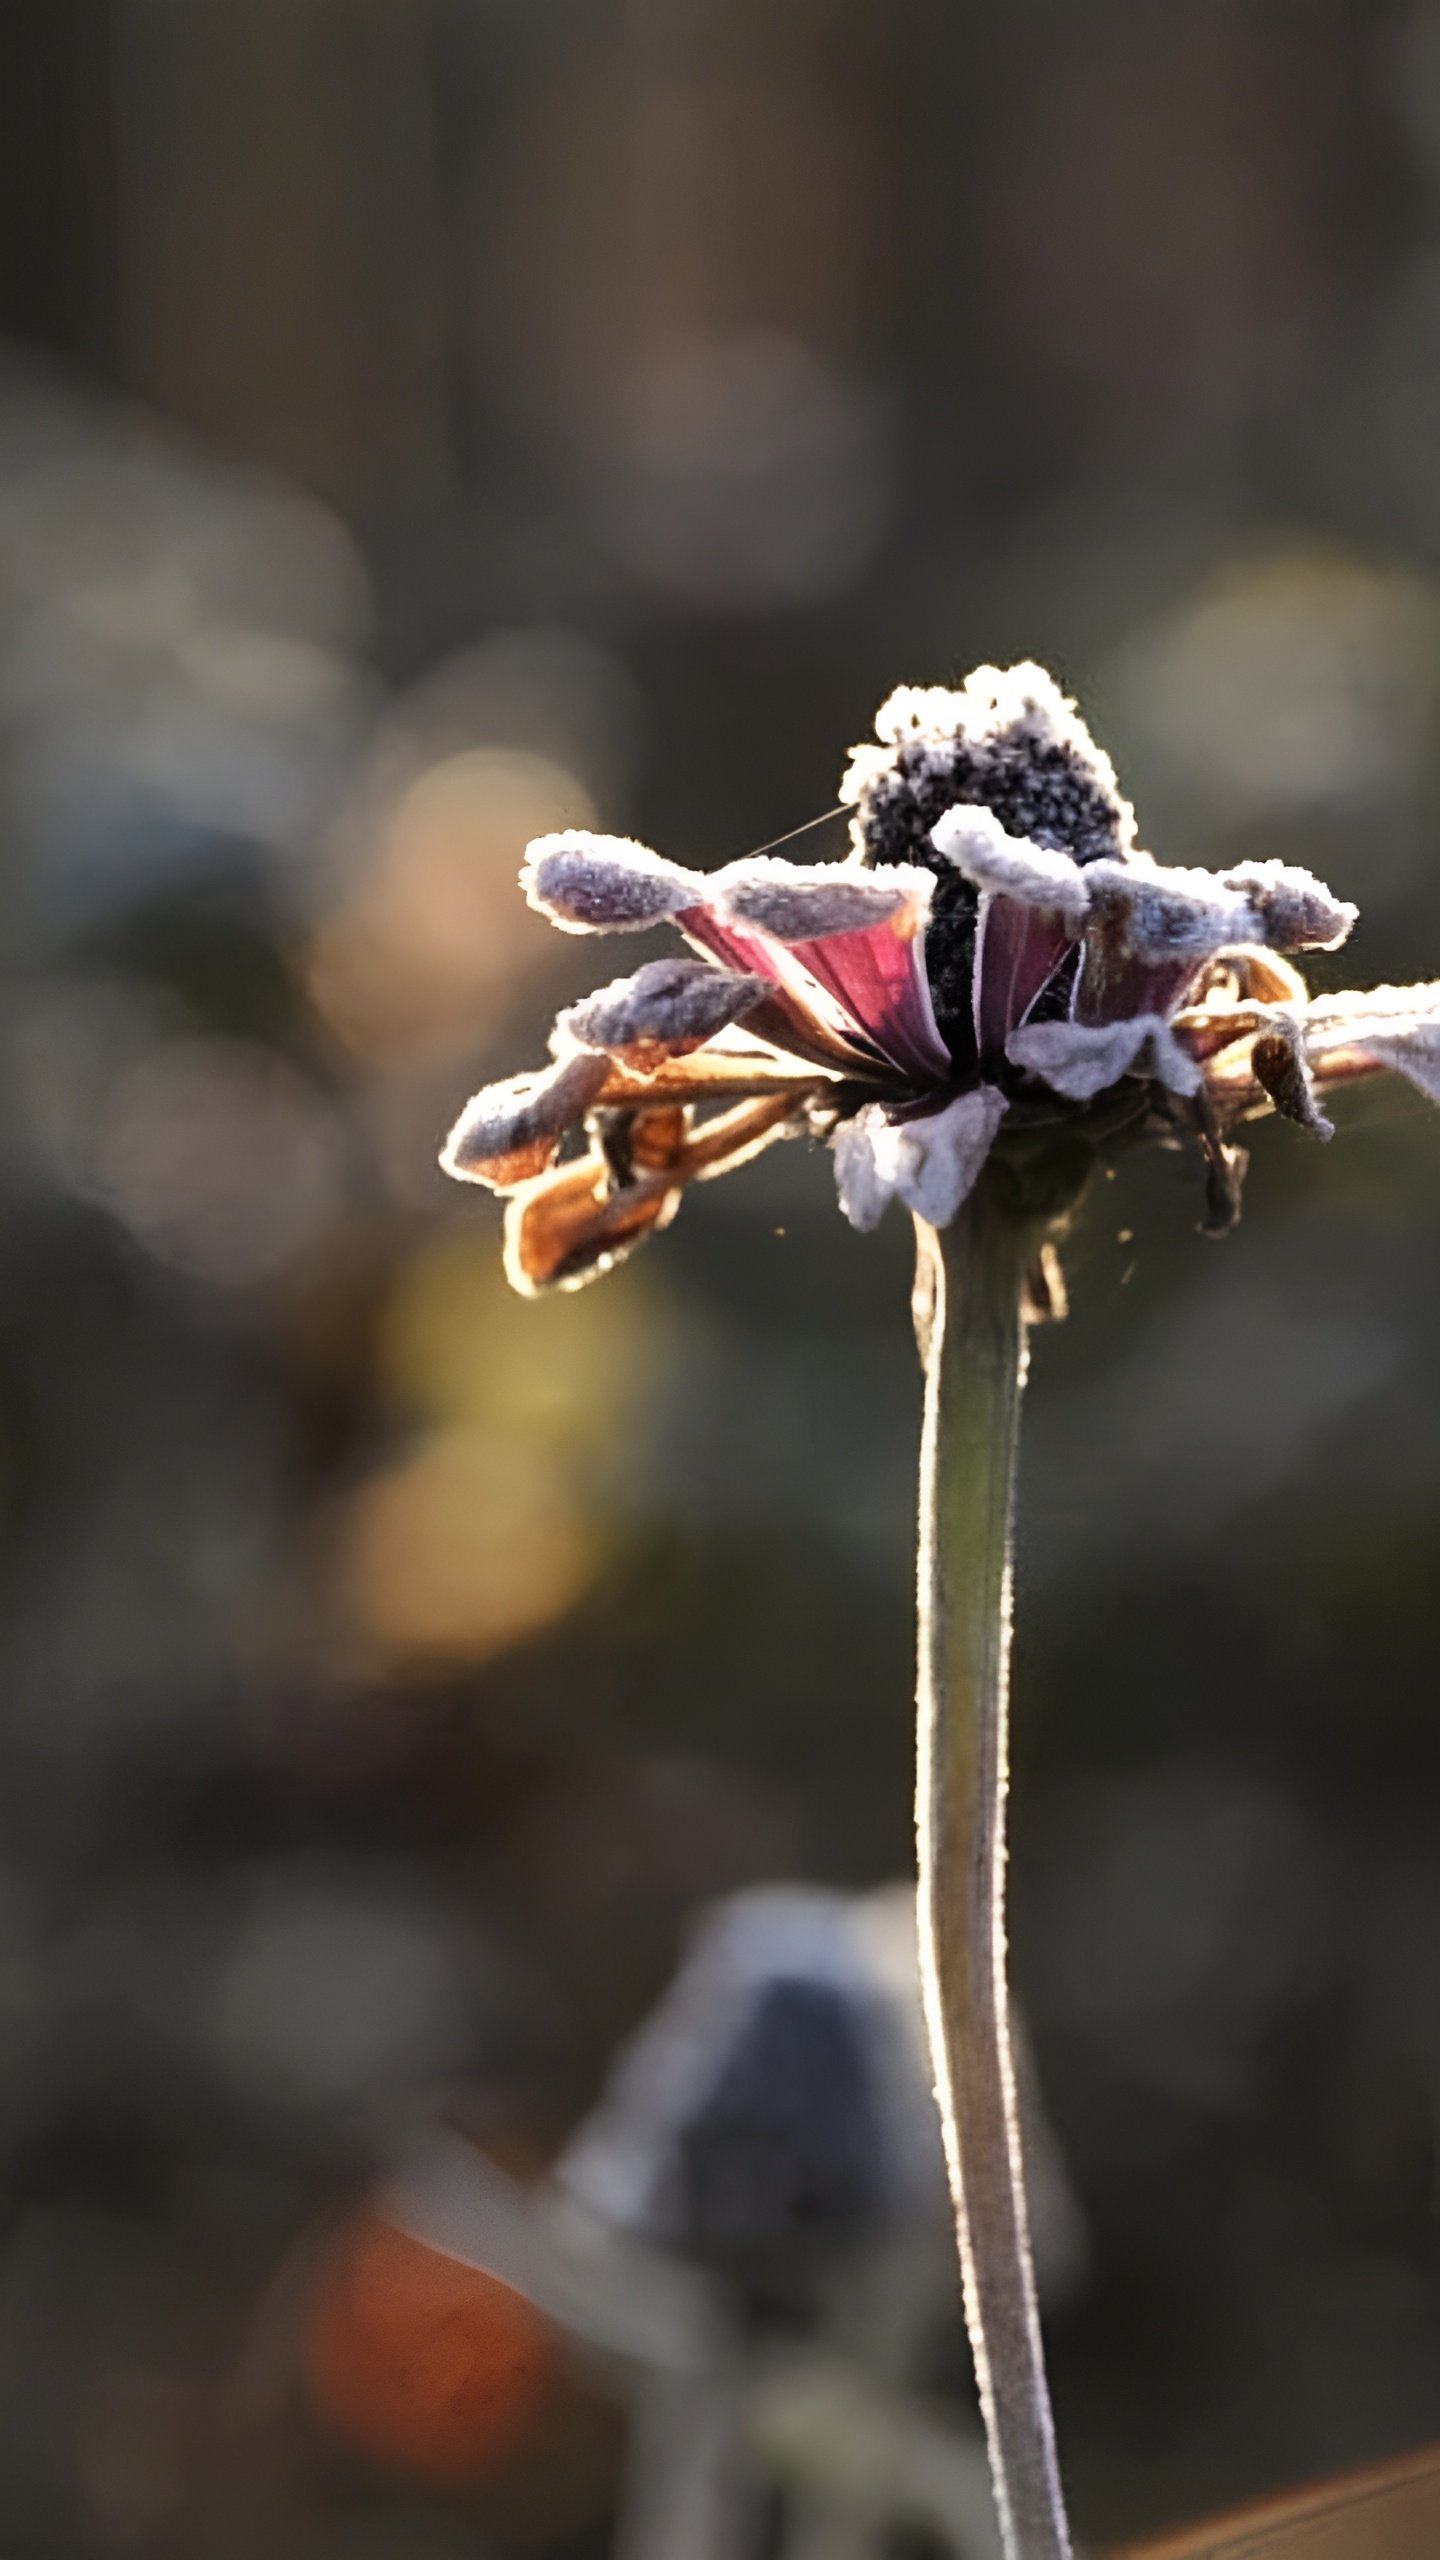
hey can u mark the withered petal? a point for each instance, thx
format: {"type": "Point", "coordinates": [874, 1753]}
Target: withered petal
{"type": "Point", "coordinates": [575, 1223]}
{"type": "Point", "coordinates": [711, 1075]}
{"type": "Point", "coordinates": [510, 1132]}
{"type": "Point", "coordinates": [733, 1137]}
{"type": "Point", "coordinates": [664, 1010]}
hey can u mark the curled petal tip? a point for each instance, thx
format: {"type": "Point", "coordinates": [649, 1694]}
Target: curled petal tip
{"type": "Point", "coordinates": [1081, 1059]}
{"type": "Point", "coordinates": [604, 884]}
{"type": "Point", "coordinates": [666, 1009]}
{"type": "Point", "coordinates": [573, 1224]}
{"type": "Point", "coordinates": [810, 902]}
{"type": "Point", "coordinates": [1010, 866]}
{"type": "Point", "coordinates": [508, 1133]}
{"type": "Point", "coordinates": [1296, 911]}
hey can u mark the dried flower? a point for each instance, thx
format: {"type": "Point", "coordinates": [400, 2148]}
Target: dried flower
{"type": "Point", "coordinates": [993, 957]}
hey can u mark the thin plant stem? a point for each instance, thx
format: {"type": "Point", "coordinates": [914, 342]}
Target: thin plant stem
{"type": "Point", "coordinates": [970, 1319]}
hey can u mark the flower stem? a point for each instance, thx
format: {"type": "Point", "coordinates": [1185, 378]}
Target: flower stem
{"type": "Point", "coordinates": [970, 1319]}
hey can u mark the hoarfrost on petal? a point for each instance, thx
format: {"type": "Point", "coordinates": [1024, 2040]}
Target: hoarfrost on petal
{"type": "Point", "coordinates": [931, 1164]}
{"type": "Point", "coordinates": [806, 902]}
{"type": "Point", "coordinates": [604, 884]}
{"type": "Point", "coordinates": [1398, 1027]}
{"type": "Point", "coordinates": [1298, 911]}
{"type": "Point", "coordinates": [865, 1166]}
{"type": "Point", "coordinates": [510, 1132]}
{"type": "Point", "coordinates": [1161, 913]}
{"type": "Point", "coordinates": [663, 1009]}
{"type": "Point", "coordinates": [1011, 866]}
{"type": "Point", "coordinates": [1081, 1059]}
{"type": "Point", "coordinates": [940, 1157]}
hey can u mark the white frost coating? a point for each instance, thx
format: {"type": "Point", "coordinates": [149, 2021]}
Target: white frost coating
{"type": "Point", "coordinates": [941, 1157]}
{"type": "Point", "coordinates": [864, 1167]}
{"type": "Point", "coordinates": [1169, 914]}
{"type": "Point", "coordinates": [932, 1165]}
{"type": "Point", "coordinates": [1010, 866]}
{"type": "Point", "coordinates": [1299, 912]}
{"type": "Point", "coordinates": [927, 725]}
{"type": "Point", "coordinates": [806, 902]}
{"type": "Point", "coordinates": [524, 1111]}
{"type": "Point", "coordinates": [1081, 1059]}
{"type": "Point", "coordinates": [674, 1004]}
{"type": "Point", "coordinates": [1397, 1026]}
{"type": "Point", "coordinates": [1022, 701]}
{"type": "Point", "coordinates": [605, 884]}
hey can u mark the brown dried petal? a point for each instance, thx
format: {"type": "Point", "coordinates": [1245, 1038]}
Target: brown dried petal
{"type": "Point", "coordinates": [1278, 1058]}
{"type": "Point", "coordinates": [575, 1223]}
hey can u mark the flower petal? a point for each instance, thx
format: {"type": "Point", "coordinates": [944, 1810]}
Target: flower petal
{"type": "Point", "coordinates": [803, 1018]}
{"type": "Point", "coordinates": [1394, 1027]}
{"type": "Point", "coordinates": [931, 1164]}
{"type": "Point", "coordinates": [859, 935]}
{"type": "Point", "coordinates": [1012, 867]}
{"type": "Point", "coordinates": [1297, 911]}
{"type": "Point", "coordinates": [1081, 1059]}
{"type": "Point", "coordinates": [805, 901]}
{"type": "Point", "coordinates": [942, 1155]}
{"type": "Point", "coordinates": [666, 1009]}
{"type": "Point", "coordinates": [575, 1223]}
{"type": "Point", "coordinates": [508, 1133]}
{"type": "Point", "coordinates": [1152, 928]}
{"type": "Point", "coordinates": [604, 884]}
{"type": "Point", "coordinates": [865, 1168]}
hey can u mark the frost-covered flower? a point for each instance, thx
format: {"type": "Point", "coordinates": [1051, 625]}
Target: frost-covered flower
{"type": "Point", "coordinates": [993, 957]}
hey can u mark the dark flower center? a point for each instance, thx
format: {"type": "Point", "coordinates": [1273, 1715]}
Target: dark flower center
{"type": "Point", "coordinates": [1058, 792]}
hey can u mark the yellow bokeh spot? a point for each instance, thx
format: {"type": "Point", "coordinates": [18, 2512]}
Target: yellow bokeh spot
{"type": "Point", "coordinates": [473, 1542]}
{"type": "Point", "coordinates": [456, 1343]}
{"type": "Point", "coordinates": [436, 932]}
{"type": "Point", "coordinates": [497, 1522]}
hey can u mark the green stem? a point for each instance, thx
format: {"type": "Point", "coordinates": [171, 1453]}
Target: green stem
{"type": "Point", "coordinates": [970, 1318]}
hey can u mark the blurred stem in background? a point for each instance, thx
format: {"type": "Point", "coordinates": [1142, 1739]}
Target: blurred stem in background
{"type": "Point", "coordinates": [970, 1320]}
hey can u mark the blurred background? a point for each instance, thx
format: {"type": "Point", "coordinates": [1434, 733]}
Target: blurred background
{"type": "Point", "coordinates": [424, 423]}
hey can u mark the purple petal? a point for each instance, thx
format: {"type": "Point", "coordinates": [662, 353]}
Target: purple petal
{"type": "Point", "coordinates": [879, 977]}
{"type": "Point", "coordinates": [857, 934]}
{"type": "Point", "coordinates": [1017, 950]}
{"type": "Point", "coordinates": [663, 1010]}
{"type": "Point", "coordinates": [603, 884]}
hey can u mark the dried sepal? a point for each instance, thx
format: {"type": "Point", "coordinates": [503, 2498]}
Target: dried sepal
{"type": "Point", "coordinates": [732, 1138]}
{"type": "Point", "coordinates": [1281, 1067]}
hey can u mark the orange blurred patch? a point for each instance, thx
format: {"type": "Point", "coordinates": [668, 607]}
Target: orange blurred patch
{"type": "Point", "coordinates": [423, 2362]}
